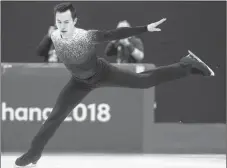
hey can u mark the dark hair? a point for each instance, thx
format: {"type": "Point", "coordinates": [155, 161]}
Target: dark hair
{"type": "Point", "coordinates": [62, 7]}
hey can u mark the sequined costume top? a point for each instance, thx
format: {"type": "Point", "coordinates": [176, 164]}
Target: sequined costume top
{"type": "Point", "coordinates": [78, 53]}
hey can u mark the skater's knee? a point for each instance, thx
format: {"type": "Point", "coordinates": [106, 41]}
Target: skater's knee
{"type": "Point", "coordinates": [56, 119]}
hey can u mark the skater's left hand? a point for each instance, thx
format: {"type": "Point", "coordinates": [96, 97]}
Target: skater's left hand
{"type": "Point", "coordinates": [153, 26]}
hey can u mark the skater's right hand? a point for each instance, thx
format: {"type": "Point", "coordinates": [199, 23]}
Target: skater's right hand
{"type": "Point", "coordinates": [51, 30]}
{"type": "Point", "coordinates": [153, 26]}
{"type": "Point", "coordinates": [53, 59]}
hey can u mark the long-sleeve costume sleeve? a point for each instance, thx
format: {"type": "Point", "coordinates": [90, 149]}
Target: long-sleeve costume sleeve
{"type": "Point", "coordinates": [44, 47]}
{"type": "Point", "coordinates": [99, 36]}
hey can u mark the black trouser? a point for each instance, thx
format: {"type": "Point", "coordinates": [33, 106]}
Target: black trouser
{"type": "Point", "coordinates": [107, 75]}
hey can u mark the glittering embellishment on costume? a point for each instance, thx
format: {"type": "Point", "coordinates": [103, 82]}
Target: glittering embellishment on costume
{"type": "Point", "coordinates": [73, 49]}
{"type": "Point", "coordinates": [77, 53]}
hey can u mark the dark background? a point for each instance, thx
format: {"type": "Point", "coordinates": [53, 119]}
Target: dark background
{"type": "Point", "coordinates": [198, 26]}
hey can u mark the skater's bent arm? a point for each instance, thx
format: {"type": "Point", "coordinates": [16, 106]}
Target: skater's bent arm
{"type": "Point", "coordinates": [44, 46]}
{"type": "Point", "coordinates": [99, 36]}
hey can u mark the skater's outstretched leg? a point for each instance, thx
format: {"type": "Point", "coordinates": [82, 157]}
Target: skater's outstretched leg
{"type": "Point", "coordinates": [70, 96]}
{"type": "Point", "coordinates": [188, 65]}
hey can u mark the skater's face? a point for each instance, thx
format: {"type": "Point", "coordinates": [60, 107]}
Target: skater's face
{"type": "Point", "coordinates": [65, 23]}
